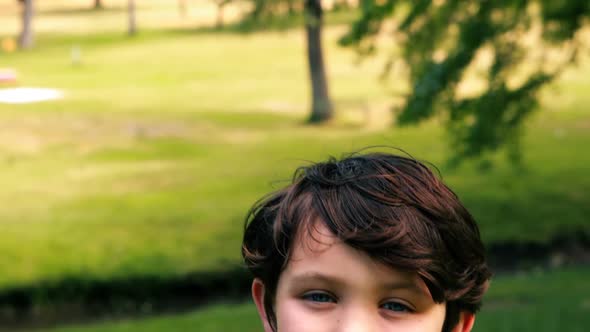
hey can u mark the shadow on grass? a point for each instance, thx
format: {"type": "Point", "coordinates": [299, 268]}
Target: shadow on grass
{"type": "Point", "coordinates": [273, 23]}
{"type": "Point", "coordinates": [81, 299]}
{"type": "Point", "coordinates": [245, 27]}
{"type": "Point", "coordinates": [89, 10]}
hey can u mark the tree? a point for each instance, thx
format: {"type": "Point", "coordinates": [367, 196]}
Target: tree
{"type": "Point", "coordinates": [528, 43]}
{"type": "Point", "coordinates": [321, 108]}
{"type": "Point", "coordinates": [220, 6]}
{"type": "Point", "coordinates": [182, 8]}
{"type": "Point", "coordinates": [265, 10]}
{"type": "Point", "coordinates": [132, 30]}
{"type": "Point", "coordinates": [25, 39]}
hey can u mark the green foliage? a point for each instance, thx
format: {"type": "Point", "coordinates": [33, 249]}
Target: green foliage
{"type": "Point", "coordinates": [440, 41]}
{"type": "Point", "coordinates": [563, 18]}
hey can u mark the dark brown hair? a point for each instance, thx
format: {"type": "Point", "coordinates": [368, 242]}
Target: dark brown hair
{"type": "Point", "coordinates": [391, 207]}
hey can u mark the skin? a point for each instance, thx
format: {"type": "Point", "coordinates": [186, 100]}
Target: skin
{"type": "Point", "coordinates": [328, 286]}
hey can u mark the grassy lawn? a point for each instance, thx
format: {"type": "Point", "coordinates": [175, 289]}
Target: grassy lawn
{"type": "Point", "coordinates": [541, 301]}
{"type": "Point", "coordinates": [163, 141]}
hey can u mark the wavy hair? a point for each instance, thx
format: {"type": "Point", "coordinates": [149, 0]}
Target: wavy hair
{"type": "Point", "coordinates": [393, 208]}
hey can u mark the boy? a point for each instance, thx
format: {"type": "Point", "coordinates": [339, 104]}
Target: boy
{"type": "Point", "coordinates": [372, 242]}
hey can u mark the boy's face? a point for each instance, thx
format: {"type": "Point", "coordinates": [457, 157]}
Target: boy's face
{"type": "Point", "coordinates": [328, 286]}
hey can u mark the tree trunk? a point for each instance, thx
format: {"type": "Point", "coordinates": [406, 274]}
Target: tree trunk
{"type": "Point", "coordinates": [97, 4]}
{"type": "Point", "coordinates": [132, 23]}
{"type": "Point", "coordinates": [341, 4]}
{"type": "Point", "coordinates": [220, 5]}
{"type": "Point", "coordinates": [291, 7]}
{"type": "Point", "coordinates": [25, 40]}
{"type": "Point", "coordinates": [182, 8]}
{"type": "Point", "coordinates": [258, 9]}
{"type": "Point", "coordinates": [321, 109]}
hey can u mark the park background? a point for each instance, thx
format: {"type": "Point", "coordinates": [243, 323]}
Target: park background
{"type": "Point", "coordinates": [123, 201]}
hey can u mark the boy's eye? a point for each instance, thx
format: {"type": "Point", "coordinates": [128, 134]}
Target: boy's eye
{"type": "Point", "coordinates": [396, 307]}
{"type": "Point", "coordinates": [319, 297]}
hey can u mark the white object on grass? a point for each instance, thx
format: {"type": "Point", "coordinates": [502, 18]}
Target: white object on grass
{"type": "Point", "coordinates": [28, 95]}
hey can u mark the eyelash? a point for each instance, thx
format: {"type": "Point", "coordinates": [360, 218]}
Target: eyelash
{"type": "Point", "coordinates": [328, 298]}
{"type": "Point", "coordinates": [403, 307]}
{"type": "Point", "coordinates": [309, 297]}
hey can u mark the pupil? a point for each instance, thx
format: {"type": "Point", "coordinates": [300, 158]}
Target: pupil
{"type": "Point", "coordinates": [395, 306]}
{"type": "Point", "coordinates": [320, 297]}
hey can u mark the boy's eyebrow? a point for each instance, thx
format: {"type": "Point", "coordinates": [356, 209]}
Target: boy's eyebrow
{"type": "Point", "coordinates": [338, 282]}
{"type": "Point", "coordinates": [316, 276]}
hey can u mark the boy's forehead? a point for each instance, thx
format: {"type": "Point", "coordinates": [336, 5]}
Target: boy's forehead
{"type": "Point", "coordinates": [317, 251]}
{"type": "Point", "coordinates": [313, 238]}
{"type": "Point", "coordinates": [316, 248]}
{"type": "Point", "coordinates": [317, 244]}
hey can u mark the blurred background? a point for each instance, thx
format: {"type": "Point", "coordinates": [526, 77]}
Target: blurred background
{"type": "Point", "coordinates": [135, 135]}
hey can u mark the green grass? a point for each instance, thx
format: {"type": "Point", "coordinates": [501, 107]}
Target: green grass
{"type": "Point", "coordinates": [163, 142]}
{"type": "Point", "coordinates": [539, 301]}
